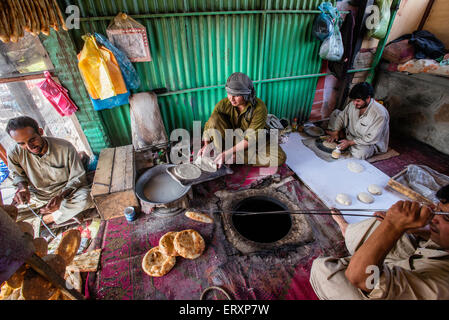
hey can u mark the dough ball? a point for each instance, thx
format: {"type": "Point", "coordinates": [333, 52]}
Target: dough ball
{"type": "Point", "coordinates": [355, 167]}
{"type": "Point", "coordinates": [344, 199]}
{"type": "Point", "coordinates": [374, 189]}
{"type": "Point", "coordinates": [365, 197]}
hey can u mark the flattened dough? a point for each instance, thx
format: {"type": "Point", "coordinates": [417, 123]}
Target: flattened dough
{"type": "Point", "coordinates": [330, 145]}
{"type": "Point", "coordinates": [355, 167]}
{"type": "Point", "coordinates": [344, 199]}
{"type": "Point", "coordinates": [206, 164]}
{"type": "Point", "coordinates": [157, 264]}
{"type": "Point", "coordinates": [189, 244]}
{"type": "Point", "coordinates": [365, 197]}
{"type": "Point", "coordinates": [374, 189]}
{"type": "Point", "coordinates": [188, 171]}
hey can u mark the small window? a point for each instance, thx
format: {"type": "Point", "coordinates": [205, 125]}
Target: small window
{"type": "Point", "coordinates": [21, 66]}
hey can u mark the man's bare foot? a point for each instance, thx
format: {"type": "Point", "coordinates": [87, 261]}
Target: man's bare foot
{"type": "Point", "coordinates": [336, 215]}
{"type": "Point", "coordinates": [48, 218]}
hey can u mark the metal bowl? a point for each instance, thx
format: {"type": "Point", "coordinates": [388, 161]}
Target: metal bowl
{"type": "Point", "coordinates": [170, 185]}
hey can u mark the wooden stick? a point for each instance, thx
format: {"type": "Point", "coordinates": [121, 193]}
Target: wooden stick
{"type": "Point", "coordinates": [41, 267]}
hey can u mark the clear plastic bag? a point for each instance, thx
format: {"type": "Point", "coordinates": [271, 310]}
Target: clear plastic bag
{"type": "Point", "coordinates": [130, 37]}
{"type": "Point", "coordinates": [425, 181]}
{"type": "Point", "coordinates": [380, 30]}
{"type": "Point", "coordinates": [332, 48]}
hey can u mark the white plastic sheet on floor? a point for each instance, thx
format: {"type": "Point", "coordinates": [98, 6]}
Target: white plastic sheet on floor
{"type": "Point", "coordinates": [327, 179]}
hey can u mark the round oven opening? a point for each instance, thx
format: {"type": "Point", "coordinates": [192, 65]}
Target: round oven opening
{"type": "Point", "coordinates": [263, 228]}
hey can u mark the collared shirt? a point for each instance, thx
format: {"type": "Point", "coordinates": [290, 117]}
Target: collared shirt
{"type": "Point", "coordinates": [371, 128]}
{"type": "Point", "coordinates": [59, 169]}
{"type": "Point", "coordinates": [250, 118]}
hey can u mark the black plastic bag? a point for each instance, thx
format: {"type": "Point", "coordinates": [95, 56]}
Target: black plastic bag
{"type": "Point", "coordinates": [427, 46]}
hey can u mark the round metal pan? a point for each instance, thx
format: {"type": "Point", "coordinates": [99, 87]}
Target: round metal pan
{"type": "Point", "coordinates": [152, 172]}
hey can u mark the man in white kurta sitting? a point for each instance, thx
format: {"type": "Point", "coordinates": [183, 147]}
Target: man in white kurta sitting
{"type": "Point", "coordinates": [403, 254]}
{"type": "Point", "coordinates": [47, 169]}
{"type": "Point", "coordinates": [363, 126]}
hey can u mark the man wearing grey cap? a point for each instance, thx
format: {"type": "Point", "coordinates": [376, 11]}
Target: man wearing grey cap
{"type": "Point", "coordinates": [241, 110]}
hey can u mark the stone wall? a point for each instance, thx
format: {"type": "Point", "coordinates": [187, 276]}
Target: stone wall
{"type": "Point", "coordinates": [418, 106]}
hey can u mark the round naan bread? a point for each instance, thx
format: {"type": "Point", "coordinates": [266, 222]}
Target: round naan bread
{"type": "Point", "coordinates": [189, 244]}
{"type": "Point", "coordinates": [15, 281]}
{"type": "Point", "coordinates": [157, 264]}
{"type": "Point", "coordinates": [26, 227]}
{"type": "Point", "coordinates": [188, 171]}
{"type": "Point", "coordinates": [69, 245]}
{"type": "Point", "coordinates": [374, 189]}
{"type": "Point", "coordinates": [355, 167]}
{"type": "Point", "coordinates": [344, 199]}
{"type": "Point", "coordinates": [36, 287]}
{"type": "Point", "coordinates": [166, 244]}
{"type": "Point", "coordinates": [41, 246]}
{"type": "Point", "coordinates": [365, 197]}
{"type": "Point", "coordinates": [206, 164]}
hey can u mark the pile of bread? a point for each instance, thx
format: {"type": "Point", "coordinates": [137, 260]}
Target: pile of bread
{"type": "Point", "coordinates": [27, 284]}
{"type": "Point", "coordinates": [188, 244]}
{"type": "Point", "coordinates": [159, 260]}
{"type": "Point", "coordinates": [34, 16]}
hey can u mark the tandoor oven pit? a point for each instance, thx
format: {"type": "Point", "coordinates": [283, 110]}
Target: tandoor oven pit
{"type": "Point", "coordinates": [262, 232]}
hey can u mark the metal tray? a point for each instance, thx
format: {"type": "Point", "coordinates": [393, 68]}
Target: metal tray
{"type": "Point", "coordinates": [205, 176]}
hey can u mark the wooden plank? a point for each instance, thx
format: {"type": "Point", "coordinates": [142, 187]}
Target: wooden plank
{"type": "Point", "coordinates": [113, 205]}
{"type": "Point", "coordinates": [130, 168]}
{"type": "Point", "coordinates": [103, 173]}
{"type": "Point", "coordinates": [119, 170]}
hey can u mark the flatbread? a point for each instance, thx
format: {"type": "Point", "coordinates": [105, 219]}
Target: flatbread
{"type": "Point", "coordinates": [69, 245]}
{"type": "Point", "coordinates": [344, 199]}
{"type": "Point", "coordinates": [57, 263]}
{"type": "Point", "coordinates": [41, 246]}
{"type": "Point", "coordinates": [157, 264]}
{"type": "Point", "coordinates": [197, 216]}
{"type": "Point", "coordinates": [36, 287]}
{"type": "Point", "coordinates": [206, 164]}
{"type": "Point", "coordinates": [26, 227]}
{"type": "Point", "coordinates": [374, 189]}
{"type": "Point", "coordinates": [189, 244]}
{"type": "Point", "coordinates": [330, 145]}
{"type": "Point", "coordinates": [365, 197]}
{"type": "Point", "coordinates": [188, 171]}
{"type": "Point", "coordinates": [355, 167]}
{"type": "Point", "coordinates": [15, 281]}
{"type": "Point", "coordinates": [166, 244]}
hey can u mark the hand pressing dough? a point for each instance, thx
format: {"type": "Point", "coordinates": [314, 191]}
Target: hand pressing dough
{"type": "Point", "coordinates": [355, 167]}
{"type": "Point", "coordinates": [344, 199]}
{"type": "Point", "coordinates": [188, 171]}
{"type": "Point", "coordinates": [365, 197]}
{"type": "Point", "coordinates": [374, 189]}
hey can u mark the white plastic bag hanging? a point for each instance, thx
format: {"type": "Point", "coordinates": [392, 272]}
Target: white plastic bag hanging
{"type": "Point", "coordinates": [332, 48]}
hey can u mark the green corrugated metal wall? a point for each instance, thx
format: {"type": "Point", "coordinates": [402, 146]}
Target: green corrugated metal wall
{"type": "Point", "coordinates": [196, 45]}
